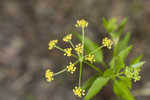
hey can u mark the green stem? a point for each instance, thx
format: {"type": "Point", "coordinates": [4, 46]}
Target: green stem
{"type": "Point", "coordinates": [81, 57]}
{"type": "Point", "coordinates": [63, 70]}
{"type": "Point", "coordinates": [76, 62]}
{"type": "Point", "coordinates": [80, 76]}
{"type": "Point", "coordinates": [59, 48]}
{"type": "Point", "coordinates": [75, 56]}
{"type": "Point", "coordinates": [60, 72]}
{"type": "Point", "coordinates": [83, 41]}
{"type": "Point", "coordinates": [71, 44]}
{"type": "Point", "coordinates": [94, 67]}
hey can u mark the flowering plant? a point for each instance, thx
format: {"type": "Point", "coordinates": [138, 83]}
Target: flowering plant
{"type": "Point", "coordinates": [89, 53]}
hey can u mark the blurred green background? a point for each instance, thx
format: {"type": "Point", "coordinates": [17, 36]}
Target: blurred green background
{"type": "Point", "coordinates": [26, 26]}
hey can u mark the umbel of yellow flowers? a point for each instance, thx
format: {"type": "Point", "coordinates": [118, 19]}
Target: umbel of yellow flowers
{"type": "Point", "coordinates": [68, 52]}
{"type": "Point", "coordinates": [67, 38]}
{"type": "Point", "coordinates": [133, 73]}
{"type": "Point", "coordinates": [52, 43]}
{"type": "Point", "coordinates": [79, 50]}
{"type": "Point", "coordinates": [71, 68]}
{"type": "Point", "coordinates": [81, 23]}
{"type": "Point", "coordinates": [49, 75]}
{"type": "Point", "coordinates": [107, 43]}
{"type": "Point", "coordinates": [90, 58]}
{"type": "Point", "coordinates": [78, 91]}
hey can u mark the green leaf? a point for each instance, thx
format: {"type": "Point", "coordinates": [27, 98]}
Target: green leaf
{"type": "Point", "coordinates": [119, 64]}
{"type": "Point", "coordinates": [122, 25]}
{"type": "Point", "coordinates": [127, 81]}
{"type": "Point", "coordinates": [108, 73]}
{"type": "Point", "coordinates": [89, 82]}
{"type": "Point", "coordinates": [137, 65]}
{"type": "Point", "coordinates": [97, 85]}
{"type": "Point", "coordinates": [121, 45]}
{"type": "Point", "coordinates": [124, 42]}
{"type": "Point", "coordinates": [124, 53]}
{"type": "Point", "coordinates": [121, 90]}
{"type": "Point", "coordinates": [112, 63]}
{"type": "Point", "coordinates": [105, 23]}
{"type": "Point", "coordinates": [90, 46]}
{"type": "Point", "coordinates": [110, 25]}
{"type": "Point", "coordinates": [136, 60]}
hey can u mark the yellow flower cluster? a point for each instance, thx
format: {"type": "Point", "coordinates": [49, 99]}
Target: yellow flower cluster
{"type": "Point", "coordinates": [81, 57]}
{"type": "Point", "coordinates": [71, 68]}
{"type": "Point", "coordinates": [78, 48]}
{"type": "Point", "coordinates": [81, 23]}
{"type": "Point", "coordinates": [49, 75]}
{"type": "Point", "coordinates": [107, 43]}
{"type": "Point", "coordinates": [67, 38]}
{"type": "Point", "coordinates": [78, 91]}
{"type": "Point", "coordinates": [68, 52]}
{"type": "Point", "coordinates": [52, 43]}
{"type": "Point", "coordinates": [90, 58]}
{"type": "Point", "coordinates": [132, 73]}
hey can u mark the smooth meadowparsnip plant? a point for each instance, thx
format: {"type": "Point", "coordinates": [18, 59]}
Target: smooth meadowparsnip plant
{"type": "Point", "coordinates": [89, 53]}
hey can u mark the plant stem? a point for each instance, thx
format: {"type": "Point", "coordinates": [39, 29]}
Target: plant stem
{"type": "Point", "coordinates": [81, 58]}
{"type": "Point", "coordinates": [71, 44]}
{"type": "Point", "coordinates": [59, 48]}
{"type": "Point", "coordinates": [80, 76]}
{"type": "Point", "coordinates": [76, 62]}
{"type": "Point", "coordinates": [60, 72]}
{"type": "Point", "coordinates": [83, 41]}
{"type": "Point", "coordinates": [94, 67]}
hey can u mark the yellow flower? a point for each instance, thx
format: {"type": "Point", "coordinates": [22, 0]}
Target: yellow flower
{"type": "Point", "coordinates": [68, 52]}
{"type": "Point", "coordinates": [71, 68]}
{"type": "Point", "coordinates": [78, 48]}
{"type": "Point", "coordinates": [107, 43]}
{"type": "Point", "coordinates": [52, 43]}
{"type": "Point", "coordinates": [67, 38]}
{"type": "Point", "coordinates": [90, 58]}
{"type": "Point", "coordinates": [132, 73]}
{"type": "Point", "coordinates": [78, 91]}
{"type": "Point", "coordinates": [81, 23]}
{"type": "Point", "coordinates": [49, 75]}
